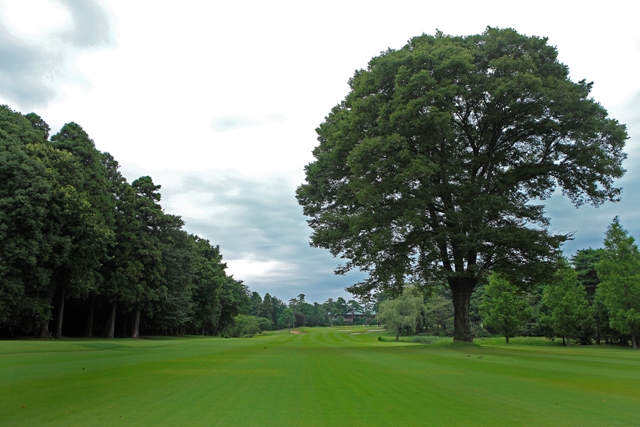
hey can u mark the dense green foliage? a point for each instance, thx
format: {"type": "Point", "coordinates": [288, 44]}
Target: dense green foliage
{"type": "Point", "coordinates": [244, 325]}
{"type": "Point", "coordinates": [82, 246]}
{"type": "Point", "coordinates": [402, 313]}
{"type": "Point", "coordinates": [321, 377]}
{"type": "Point", "coordinates": [287, 318]}
{"type": "Point", "coordinates": [425, 173]}
{"type": "Point", "coordinates": [584, 262]}
{"type": "Point", "coordinates": [565, 310]}
{"type": "Point", "coordinates": [619, 290]}
{"type": "Point", "coordinates": [504, 307]}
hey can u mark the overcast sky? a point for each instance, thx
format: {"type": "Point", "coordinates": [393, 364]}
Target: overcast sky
{"type": "Point", "coordinates": [218, 102]}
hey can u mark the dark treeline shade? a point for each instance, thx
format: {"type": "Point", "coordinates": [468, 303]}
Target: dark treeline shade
{"type": "Point", "coordinates": [85, 253]}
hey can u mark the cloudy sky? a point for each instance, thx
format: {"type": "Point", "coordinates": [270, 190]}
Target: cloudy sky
{"type": "Point", "coordinates": [219, 101]}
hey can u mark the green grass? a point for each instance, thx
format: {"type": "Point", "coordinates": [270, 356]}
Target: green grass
{"type": "Point", "coordinates": [322, 377]}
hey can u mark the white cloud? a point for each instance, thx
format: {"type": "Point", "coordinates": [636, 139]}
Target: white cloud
{"type": "Point", "coordinates": [228, 123]}
{"type": "Point", "coordinates": [249, 270]}
{"type": "Point", "coordinates": [218, 101]}
{"type": "Point", "coordinates": [34, 20]}
{"type": "Point", "coordinates": [40, 43]}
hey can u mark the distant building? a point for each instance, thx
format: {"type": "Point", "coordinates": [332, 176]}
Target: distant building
{"type": "Point", "coordinates": [358, 315]}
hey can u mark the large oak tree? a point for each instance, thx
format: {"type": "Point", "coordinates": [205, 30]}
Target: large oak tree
{"type": "Point", "coordinates": [433, 167]}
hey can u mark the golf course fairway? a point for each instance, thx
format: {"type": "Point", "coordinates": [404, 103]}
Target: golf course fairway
{"type": "Point", "coordinates": [336, 376]}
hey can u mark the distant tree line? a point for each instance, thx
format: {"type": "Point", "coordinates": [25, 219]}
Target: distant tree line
{"type": "Point", "coordinates": [300, 313]}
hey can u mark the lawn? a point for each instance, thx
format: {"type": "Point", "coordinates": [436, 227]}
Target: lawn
{"type": "Point", "coordinates": [320, 377]}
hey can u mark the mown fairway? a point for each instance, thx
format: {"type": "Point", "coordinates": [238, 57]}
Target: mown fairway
{"type": "Point", "coordinates": [323, 377]}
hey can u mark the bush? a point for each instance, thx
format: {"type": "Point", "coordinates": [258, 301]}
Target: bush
{"type": "Point", "coordinates": [243, 325]}
{"type": "Point", "coordinates": [264, 324]}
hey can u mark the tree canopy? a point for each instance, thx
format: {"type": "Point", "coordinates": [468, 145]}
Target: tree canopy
{"type": "Point", "coordinates": [74, 232]}
{"type": "Point", "coordinates": [504, 307]}
{"type": "Point", "coordinates": [565, 309]}
{"type": "Point", "coordinates": [619, 272]}
{"type": "Point", "coordinates": [432, 169]}
{"type": "Point", "coordinates": [287, 318]}
{"type": "Point", "coordinates": [402, 312]}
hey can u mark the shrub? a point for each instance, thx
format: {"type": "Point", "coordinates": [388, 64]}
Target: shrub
{"type": "Point", "coordinates": [264, 324]}
{"type": "Point", "coordinates": [243, 325]}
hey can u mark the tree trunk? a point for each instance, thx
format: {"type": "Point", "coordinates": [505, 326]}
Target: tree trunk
{"type": "Point", "coordinates": [507, 338]}
{"type": "Point", "coordinates": [58, 333]}
{"type": "Point", "coordinates": [397, 334]}
{"type": "Point", "coordinates": [44, 329]}
{"type": "Point", "coordinates": [89, 330]}
{"type": "Point", "coordinates": [136, 325]}
{"type": "Point", "coordinates": [634, 341]}
{"type": "Point", "coordinates": [110, 330]}
{"type": "Point", "coordinates": [597, 332]}
{"type": "Point", "coordinates": [461, 289]}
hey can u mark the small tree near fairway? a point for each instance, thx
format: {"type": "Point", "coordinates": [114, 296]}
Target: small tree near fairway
{"type": "Point", "coordinates": [567, 309]}
{"type": "Point", "coordinates": [287, 318]}
{"type": "Point", "coordinates": [504, 307]}
{"type": "Point", "coordinates": [402, 312]}
{"type": "Point", "coordinates": [245, 325]}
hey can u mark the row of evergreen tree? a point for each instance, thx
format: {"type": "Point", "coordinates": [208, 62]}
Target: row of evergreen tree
{"type": "Point", "coordinates": [84, 252]}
